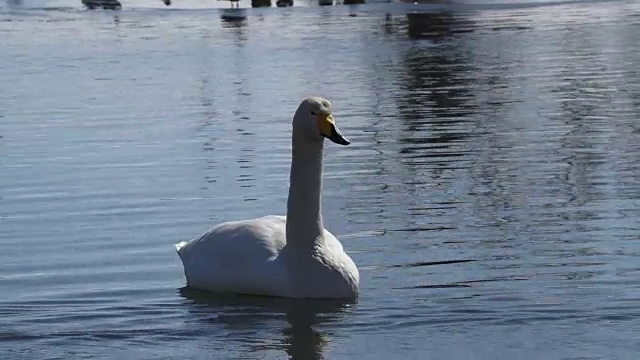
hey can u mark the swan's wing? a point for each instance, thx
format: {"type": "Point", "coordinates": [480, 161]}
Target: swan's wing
{"type": "Point", "coordinates": [181, 245]}
{"type": "Point", "coordinates": [258, 239]}
{"type": "Point", "coordinates": [331, 242]}
{"type": "Point", "coordinates": [239, 256]}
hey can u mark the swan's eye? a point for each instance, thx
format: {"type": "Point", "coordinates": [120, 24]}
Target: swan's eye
{"type": "Point", "coordinates": [313, 113]}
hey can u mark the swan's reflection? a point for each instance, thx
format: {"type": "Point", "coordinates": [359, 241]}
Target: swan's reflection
{"type": "Point", "coordinates": [300, 339]}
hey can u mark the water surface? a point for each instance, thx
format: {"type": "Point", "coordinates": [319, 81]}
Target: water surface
{"type": "Point", "coordinates": [490, 195]}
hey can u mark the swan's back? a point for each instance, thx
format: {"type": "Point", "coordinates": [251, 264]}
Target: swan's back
{"type": "Point", "coordinates": [239, 256]}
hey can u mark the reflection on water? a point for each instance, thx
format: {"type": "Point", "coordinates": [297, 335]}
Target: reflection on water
{"type": "Point", "coordinates": [436, 114]}
{"type": "Point", "coordinates": [437, 100]}
{"type": "Point", "coordinates": [242, 315]}
{"type": "Point", "coordinates": [233, 18]}
{"type": "Point", "coordinates": [234, 21]}
{"type": "Point", "coordinates": [489, 195]}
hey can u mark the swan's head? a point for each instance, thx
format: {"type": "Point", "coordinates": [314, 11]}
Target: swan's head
{"type": "Point", "coordinates": [314, 121]}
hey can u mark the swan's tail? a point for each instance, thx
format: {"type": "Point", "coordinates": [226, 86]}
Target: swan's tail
{"type": "Point", "coordinates": [180, 247]}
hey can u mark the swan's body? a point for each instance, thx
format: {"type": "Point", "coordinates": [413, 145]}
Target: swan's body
{"type": "Point", "coordinates": [292, 256]}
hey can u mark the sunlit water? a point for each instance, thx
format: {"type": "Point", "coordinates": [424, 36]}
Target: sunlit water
{"type": "Point", "coordinates": [490, 195]}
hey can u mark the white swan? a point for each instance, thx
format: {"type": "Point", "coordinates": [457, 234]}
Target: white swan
{"type": "Point", "coordinates": [292, 256]}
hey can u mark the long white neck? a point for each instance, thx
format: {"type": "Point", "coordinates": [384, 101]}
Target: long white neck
{"type": "Point", "coordinates": [304, 213]}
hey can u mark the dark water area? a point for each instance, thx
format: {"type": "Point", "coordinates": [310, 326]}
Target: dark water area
{"type": "Point", "coordinates": [490, 196]}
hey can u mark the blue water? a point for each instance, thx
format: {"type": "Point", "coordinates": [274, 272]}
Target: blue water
{"type": "Point", "coordinates": [490, 196]}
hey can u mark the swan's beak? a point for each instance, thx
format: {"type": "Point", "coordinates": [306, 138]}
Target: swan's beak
{"type": "Point", "coordinates": [328, 129]}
